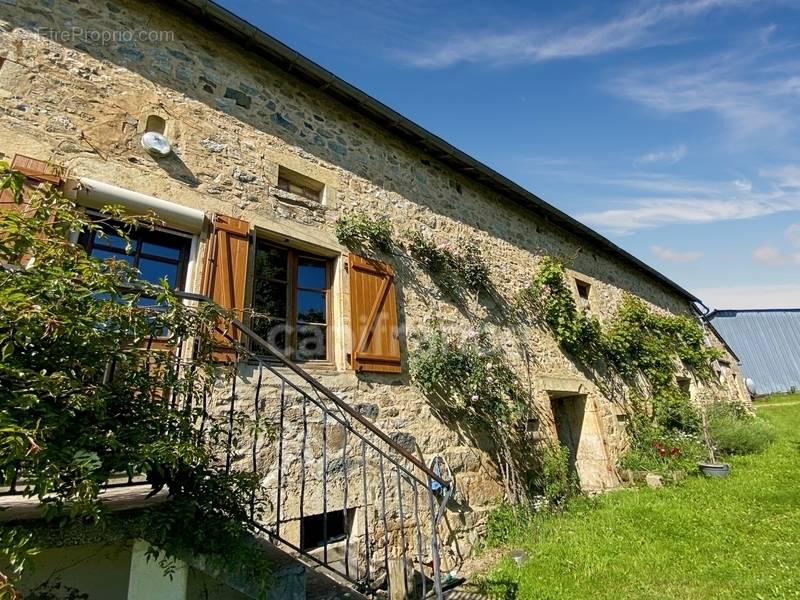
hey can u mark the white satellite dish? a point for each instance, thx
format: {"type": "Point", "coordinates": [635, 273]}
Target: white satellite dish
{"type": "Point", "coordinates": [156, 144]}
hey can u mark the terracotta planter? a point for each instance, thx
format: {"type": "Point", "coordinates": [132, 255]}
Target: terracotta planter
{"type": "Point", "coordinates": [714, 469]}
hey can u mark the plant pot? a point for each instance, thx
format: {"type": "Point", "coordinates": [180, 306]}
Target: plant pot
{"type": "Point", "coordinates": [714, 469]}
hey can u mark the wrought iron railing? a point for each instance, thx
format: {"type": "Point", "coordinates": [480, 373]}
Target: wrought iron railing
{"type": "Point", "coordinates": [335, 489]}
{"type": "Point", "coordinates": [342, 493]}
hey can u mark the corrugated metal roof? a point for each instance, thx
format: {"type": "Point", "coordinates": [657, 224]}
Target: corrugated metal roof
{"type": "Point", "coordinates": [767, 342]}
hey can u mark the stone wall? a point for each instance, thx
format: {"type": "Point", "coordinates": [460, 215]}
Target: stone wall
{"type": "Point", "coordinates": [233, 120]}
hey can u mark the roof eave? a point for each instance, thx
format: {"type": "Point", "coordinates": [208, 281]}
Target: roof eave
{"type": "Point", "coordinates": [217, 18]}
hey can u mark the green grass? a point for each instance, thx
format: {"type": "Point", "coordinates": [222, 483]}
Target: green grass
{"type": "Point", "coordinates": [737, 537]}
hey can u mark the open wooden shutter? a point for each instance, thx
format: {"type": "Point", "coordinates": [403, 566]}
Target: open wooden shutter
{"type": "Point", "coordinates": [36, 171]}
{"type": "Point", "coordinates": [225, 277]}
{"type": "Point", "coordinates": [373, 316]}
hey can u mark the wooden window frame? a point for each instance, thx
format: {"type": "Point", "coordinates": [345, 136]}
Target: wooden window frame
{"type": "Point", "coordinates": [141, 235]}
{"type": "Point", "coordinates": [313, 190]}
{"type": "Point", "coordinates": [293, 257]}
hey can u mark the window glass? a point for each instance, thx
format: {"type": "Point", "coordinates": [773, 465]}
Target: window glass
{"type": "Point", "coordinates": [271, 263]}
{"type": "Point", "coordinates": [155, 270]}
{"type": "Point", "coordinates": [311, 307]}
{"type": "Point", "coordinates": [107, 254]}
{"type": "Point", "coordinates": [156, 254]}
{"type": "Point", "coordinates": [111, 240]}
{"type": "Point", "coordinates": [311, 274]}
{"type": "Point", "coordinates": [269, 298]}
{"type": "Point", "coordinates": [153, 249]}
{"type": "Point", "coordinates": [290, 301]}
{"type": "Point", "coordinates": [311, 342]}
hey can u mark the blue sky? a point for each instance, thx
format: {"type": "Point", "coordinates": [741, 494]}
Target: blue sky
{"type": "Point", "coordinates": [673, 128]}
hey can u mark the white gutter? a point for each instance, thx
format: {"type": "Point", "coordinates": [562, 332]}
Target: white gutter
{"type": "Point", "coordinates": [96, 194]}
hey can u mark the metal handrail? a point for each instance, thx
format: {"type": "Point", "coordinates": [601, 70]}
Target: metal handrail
{"type": "Point", "coordinates": [292, 366]}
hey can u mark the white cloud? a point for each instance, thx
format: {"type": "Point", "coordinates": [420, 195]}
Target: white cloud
{"type": "Point", "coordinates": [787, 176]}
{"type": "Point", "coordinates": [641, 25]}
{"type": "Point", "coordinates": [755, 99]}
{"type": "Point", "coordinates": [669, 157]}
{"type": "Point", "coordinates": [678, 201]}
{"type": "Point", "coordinates": [769, 254]}
{"type": "Point", "coordinates": [751, 296]}
{"type": "Point", "coordinates": [656, 212]}
{"type": "Point", "coordinates": [669, 255]}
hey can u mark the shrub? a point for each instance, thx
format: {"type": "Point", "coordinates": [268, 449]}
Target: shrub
{"type": "Point", "coordinates": [660, 451]}
{"type": "Point", "coordinates": [357, 231]}
{"type": "Point", "coordinates": [554, 480]}
{"type": "Point", "coordinates": [505, 522]}
{"type": "Point", "coordinates": [733, 430]}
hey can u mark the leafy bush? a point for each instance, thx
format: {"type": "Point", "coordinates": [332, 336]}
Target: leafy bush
{"type": "Point", "coordinates": [659, 451]}
{"type": "Point", "coordinates": [553, 479]}
{"type": "Point", "coordinates": [504, 522]}
{"type": "Point", "coordinates": [67, 428]}
{"type": "Point", "coordinates": [733, 430]}
{"type": "Point", "coordinates": [454, 264]}
{"type": "Point", "coordinates": [358, 231]}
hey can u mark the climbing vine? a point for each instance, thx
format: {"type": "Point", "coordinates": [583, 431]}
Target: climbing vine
{"type": "Point", "coordinates": [637, 344]}
{"type": "Point", "coordinates": [469, 381]}
{"type": "Point", "coordinates": [450, 264]}
{"type": "Point", "coordinates": [359, 231]}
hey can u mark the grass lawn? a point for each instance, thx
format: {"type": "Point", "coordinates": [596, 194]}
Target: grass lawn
{"type": "Point", "coordinates": [703, 539]}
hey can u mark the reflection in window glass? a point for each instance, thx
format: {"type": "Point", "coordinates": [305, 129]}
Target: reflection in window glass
{"type": "Point", "coordinates": [311, 307]}
{"type": "Point", "coordinates": [312, 274]}
{"type": "Point", "coordinates": [290, 301]}
{"type": "Point", "coordinates": [311, 342]}
{"type": "Point", "coordinates": [156, 254]}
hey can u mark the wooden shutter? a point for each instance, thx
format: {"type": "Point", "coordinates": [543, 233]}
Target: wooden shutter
{"type": "Point", "coordinates": [225, 276]}
{"type": "Point", "coordinates": [36, 171]}
{"type": "Point", "coordinates": [373, 316]}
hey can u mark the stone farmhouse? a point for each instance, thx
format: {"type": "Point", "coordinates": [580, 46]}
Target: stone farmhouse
{"type": "Point", "coordinates": [268, 150]}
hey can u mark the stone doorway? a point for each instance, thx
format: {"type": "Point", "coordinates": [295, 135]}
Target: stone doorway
{"type": "Point", "coordinates": [577, 428]}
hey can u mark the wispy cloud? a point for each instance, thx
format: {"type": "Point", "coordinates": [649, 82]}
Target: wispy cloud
{"type": "Point", "coordinates": [675, 256]}
{"type": "Point", "coordinates": [669, 157]}
{"type": "Point", "coordinates": [770, 254]}
{"type": "Point", "coordinates": [754, 98]}
{"type": "Point", "coordinates": [751, 296]}
{"type": "Point", "coordinates": [644, 24]}
{"type": "Point", "coordinates": [678, 202]}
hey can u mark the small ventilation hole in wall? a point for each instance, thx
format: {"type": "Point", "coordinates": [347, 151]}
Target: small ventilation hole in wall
{"type": "Point", "coordinates": [156, 123]}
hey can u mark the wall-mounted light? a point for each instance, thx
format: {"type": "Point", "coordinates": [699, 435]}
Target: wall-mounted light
{"type": "Point", "coordinates": [156, 144]}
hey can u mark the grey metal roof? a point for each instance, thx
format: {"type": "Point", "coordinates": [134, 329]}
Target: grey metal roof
{"type": "Point", "coordinates": [767, 343]}
{"type": "Point", "coordinates": [216, 18]}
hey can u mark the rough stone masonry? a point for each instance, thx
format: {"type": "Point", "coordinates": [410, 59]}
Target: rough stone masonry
{"type": "Point", "coordinates": [81, 99]}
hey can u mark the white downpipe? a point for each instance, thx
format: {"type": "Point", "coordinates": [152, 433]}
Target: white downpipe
{"type": "Point", "coordinates": [96, 194]}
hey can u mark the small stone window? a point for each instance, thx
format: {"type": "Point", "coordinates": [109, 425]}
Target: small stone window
{"type": "Point", "coordinates": [583, 293]}
{"type": "Point", "coordinates": [325, 528]}
{"type": "Point", "coordinates": [685, 386]}
{"type": "Point", "coordinates": [299, 184]}
{"type": "Point", "coordinates": [156, 124]}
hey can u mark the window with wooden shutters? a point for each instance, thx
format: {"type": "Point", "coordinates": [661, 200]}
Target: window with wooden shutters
{"type": "Point", "coordinates": [35, 171]}
{"type": "Point", "coordinates": [291, 301]}
{"type": "Point", "coordinates": [373, 317]}
{"type": "Point", "coordinates": [226, 272]}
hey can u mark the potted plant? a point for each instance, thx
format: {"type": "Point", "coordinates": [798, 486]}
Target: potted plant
{"type": "Point", "coordinates": [712, 468]}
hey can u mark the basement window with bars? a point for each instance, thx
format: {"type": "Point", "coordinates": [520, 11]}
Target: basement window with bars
{"type": "Point", "coordinates": [299, 184]}
{"type": "Point", "coordinates": [291, 301]}
{"type": "Point", "coordinates": [316, 530]}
